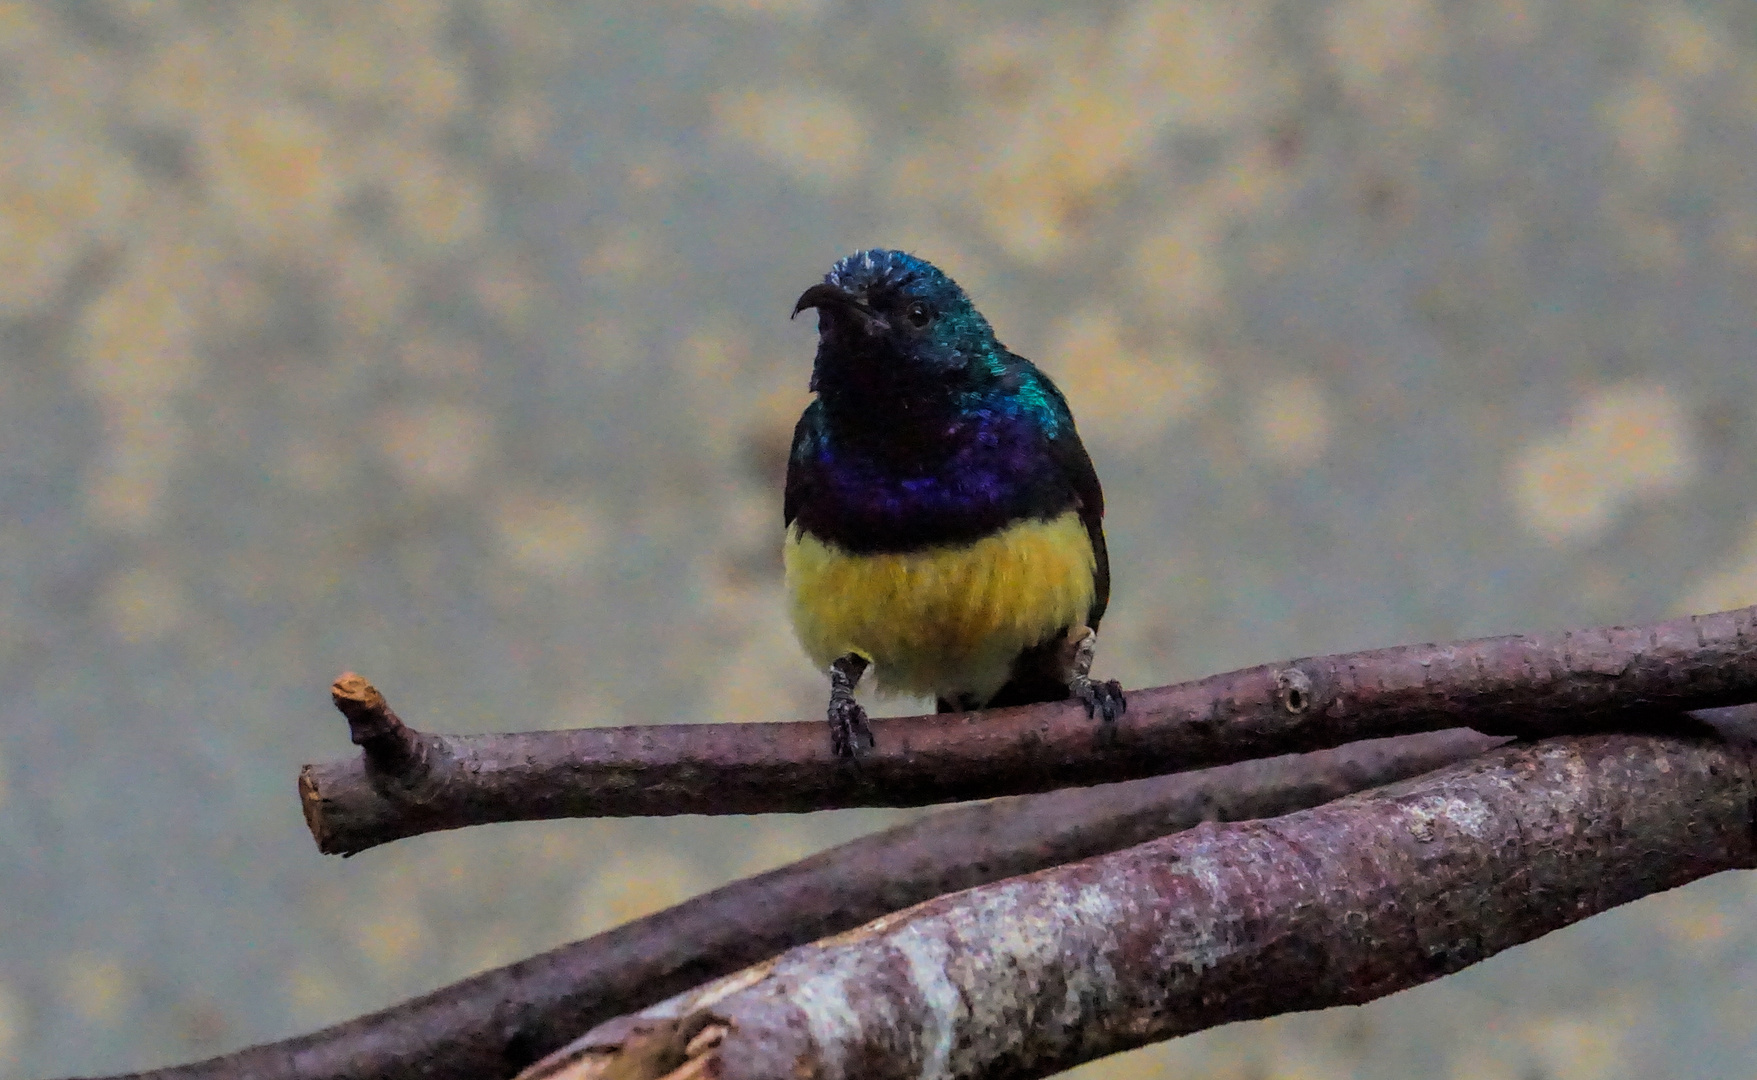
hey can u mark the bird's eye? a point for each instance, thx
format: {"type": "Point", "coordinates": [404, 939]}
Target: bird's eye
{"type": "Point", "coordinates": [918, 314]}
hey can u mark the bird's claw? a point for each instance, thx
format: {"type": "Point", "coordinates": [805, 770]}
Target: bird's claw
{"type": "Point", "coordinates": [1102, 699]}
{"type": "Point", "coordinates": [850, 736]}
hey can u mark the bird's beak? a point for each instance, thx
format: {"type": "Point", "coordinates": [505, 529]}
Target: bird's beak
{"type": "Point", "coordinates": [826, 296]}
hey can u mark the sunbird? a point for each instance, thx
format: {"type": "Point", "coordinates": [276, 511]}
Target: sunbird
{"type": "Point", "coordinates": [945, 526]}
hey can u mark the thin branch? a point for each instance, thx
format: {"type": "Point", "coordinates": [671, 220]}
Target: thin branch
{"type": "Point", "coordinates": [498, 1022]}
{"type": "Point", "coordinates": [1529, 686]}
{"type": "Point", "coordinates": [1335, 905]}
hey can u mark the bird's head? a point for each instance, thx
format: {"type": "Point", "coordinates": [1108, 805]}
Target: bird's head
{"type": "Point", "coordinates": [887, 319]}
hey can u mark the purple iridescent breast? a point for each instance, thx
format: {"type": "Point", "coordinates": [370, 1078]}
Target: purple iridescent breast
{"type": "Point", "coordinates": [978, 474]}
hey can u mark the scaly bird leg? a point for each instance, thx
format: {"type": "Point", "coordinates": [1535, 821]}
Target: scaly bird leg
{"type": "Point", "coordinates": [1100, 698]}
{"type": "Point", "coordinates": [849, 735]}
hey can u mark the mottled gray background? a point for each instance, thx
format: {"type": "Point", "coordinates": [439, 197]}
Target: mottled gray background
{"type": "Point", "coordinates": [446, 340]}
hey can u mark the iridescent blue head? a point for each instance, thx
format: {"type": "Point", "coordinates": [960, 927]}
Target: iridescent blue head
{"type": "Point", "coordinates": [892, 324]}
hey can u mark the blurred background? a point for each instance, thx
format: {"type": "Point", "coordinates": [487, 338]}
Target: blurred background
{"type": "Point", "coordinates": [446, 340]}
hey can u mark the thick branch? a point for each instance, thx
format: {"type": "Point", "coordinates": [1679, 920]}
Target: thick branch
{"type": "Point", "coordinates": [1335, 905]}
{"type": "Point", "coordinates": [1532, 686]}
{"type": "Point", "coordinates": [496, 1023]}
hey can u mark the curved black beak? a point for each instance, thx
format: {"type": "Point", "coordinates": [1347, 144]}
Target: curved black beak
{"type": "Point", "coordinates": [824, 295]}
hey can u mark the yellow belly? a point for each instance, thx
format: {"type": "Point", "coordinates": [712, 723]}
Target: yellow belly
{"type": "Point", "coordinates": [942, 621]}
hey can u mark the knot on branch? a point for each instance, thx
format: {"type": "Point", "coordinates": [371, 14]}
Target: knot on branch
{"type": "Point", "coordinates": [388, 743]}
{"type": "Point", "coordinates": [1293, 688]}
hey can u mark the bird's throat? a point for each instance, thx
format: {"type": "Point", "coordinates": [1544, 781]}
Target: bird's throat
{"type": "Point", "coordinates": [889, 411]}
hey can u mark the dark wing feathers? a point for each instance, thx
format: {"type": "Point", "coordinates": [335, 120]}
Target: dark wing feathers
{"type": "Point", "coordinates": [804, 434]}
{"type": "Point", "coordinates": [1070, 454]}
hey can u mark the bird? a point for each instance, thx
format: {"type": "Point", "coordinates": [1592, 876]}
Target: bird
{"type": "Point", "coordinates": [944, 522]}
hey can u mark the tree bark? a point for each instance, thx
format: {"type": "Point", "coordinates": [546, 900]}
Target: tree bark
{"type": "Point", "coordinates": [1529, 686]}
{"type": "Point", "coordinates": [1335, 905]}
{"type": "Point", "coordinates": [500, 1021]}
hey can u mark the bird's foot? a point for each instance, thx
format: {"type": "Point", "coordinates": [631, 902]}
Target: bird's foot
{"type": "Point", "coordinates": [1102, 699]}
{"type": "Point", "coordinates": [849, 734]}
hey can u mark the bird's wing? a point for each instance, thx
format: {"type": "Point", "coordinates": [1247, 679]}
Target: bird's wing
{"type": "Point", "coordinates": [1070, 457]}
{"type": "Point", "coordinates": [804, 437]}
{"type": "Point", "coordinates": [1069, 453]}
